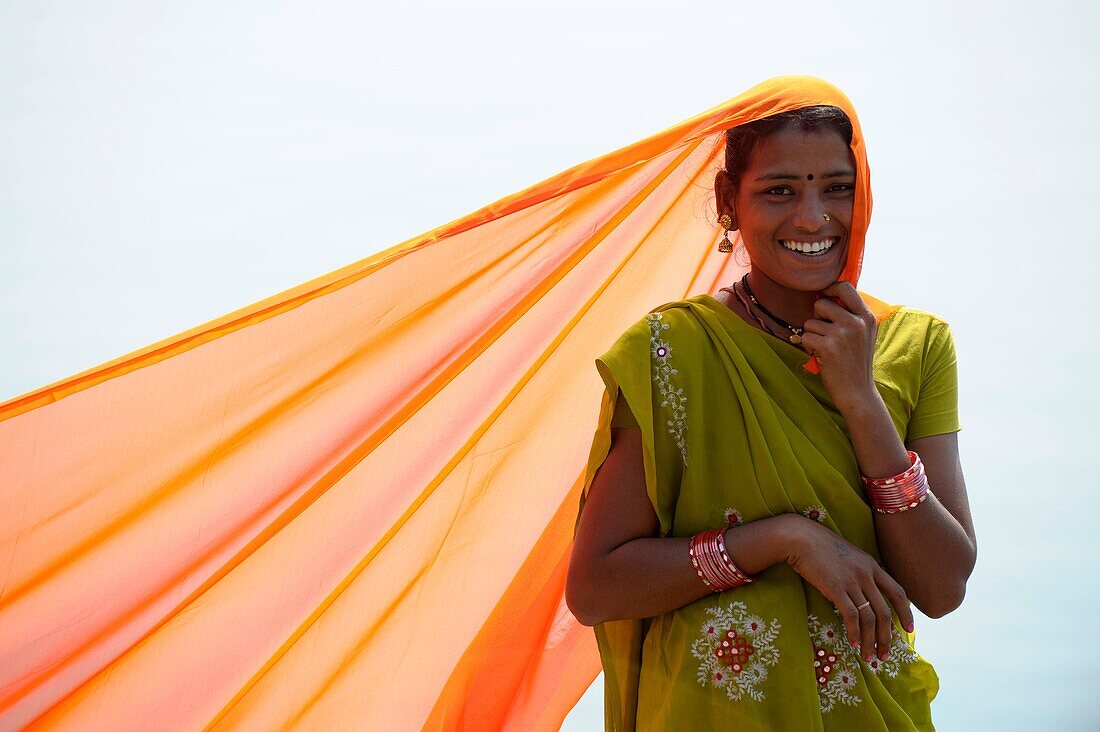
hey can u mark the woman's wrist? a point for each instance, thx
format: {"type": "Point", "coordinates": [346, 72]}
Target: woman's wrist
{"type": "Point", "coordinates": [861, 404]}
{"type": "Point", "coordinates": [757, 545]}
{"type": "Point", "coordinates": [712, 561]}
{"type": "Point", "coordinates": [795, 530]}
{"type": "Point", "coordinates": [878, 447]}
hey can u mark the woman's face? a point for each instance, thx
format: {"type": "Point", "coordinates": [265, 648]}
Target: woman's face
{"type": "Point", "coordinates": [792, 180]}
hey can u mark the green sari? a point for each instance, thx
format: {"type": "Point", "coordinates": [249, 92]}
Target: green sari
{"type": "Point", "coordinates": [734, 430]}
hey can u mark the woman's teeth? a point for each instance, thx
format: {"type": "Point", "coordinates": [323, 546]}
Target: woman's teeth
{"type": "Point", "coordinates": [811, 248]}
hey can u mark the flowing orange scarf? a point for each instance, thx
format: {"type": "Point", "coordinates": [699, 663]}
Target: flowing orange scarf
{"type": "Point", "coordinates": [351, 505]}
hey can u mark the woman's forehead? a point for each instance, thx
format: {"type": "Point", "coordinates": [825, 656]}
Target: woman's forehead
{"type": "Point", "coordinates": [793, 146]}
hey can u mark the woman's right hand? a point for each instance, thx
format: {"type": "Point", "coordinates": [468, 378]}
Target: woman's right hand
{"type": "Point", "coordinates": [849, 577]}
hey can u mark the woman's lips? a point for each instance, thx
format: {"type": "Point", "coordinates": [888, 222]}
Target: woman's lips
{"type": "Point", "coordinates": [816, 248]}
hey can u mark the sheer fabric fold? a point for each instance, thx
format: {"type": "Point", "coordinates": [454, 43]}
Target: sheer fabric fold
{"type": "Point", "coordinates": [351, 504]}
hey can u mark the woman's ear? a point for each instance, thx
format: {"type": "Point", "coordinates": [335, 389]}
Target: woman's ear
{"type": "Point", "coordinates": [725, 194]}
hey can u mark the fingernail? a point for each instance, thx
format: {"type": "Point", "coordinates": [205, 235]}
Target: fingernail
{"type": "Point", "coordinates": [910, 627]}
{"type": "Point", "coordinates": [868, 656]}
{"type": "Point", "coordinates": [855, 644]}
{"type": "Point", "coordinates": [883, 655]}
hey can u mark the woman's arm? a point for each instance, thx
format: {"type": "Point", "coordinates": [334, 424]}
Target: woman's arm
{"type": "Point", "coordinates": [621, 569]}
{"type": "Point", "coordinates": [929, 549]}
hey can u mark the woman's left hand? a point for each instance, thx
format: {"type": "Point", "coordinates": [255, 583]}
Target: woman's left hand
{"type": "Point", "coordinates": [842, 336]}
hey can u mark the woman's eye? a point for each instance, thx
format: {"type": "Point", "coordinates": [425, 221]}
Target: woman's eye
{"type": "Point", "coordinates": [786, 191]}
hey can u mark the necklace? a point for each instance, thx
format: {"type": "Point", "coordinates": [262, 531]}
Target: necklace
{"type": "Point", "coordinates": [748, 309]}
{"type": "Point", "coordinates": [796, 333]}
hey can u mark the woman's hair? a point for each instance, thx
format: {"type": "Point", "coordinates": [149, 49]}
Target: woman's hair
{"type": "Point", "coordinates": [741, 140]}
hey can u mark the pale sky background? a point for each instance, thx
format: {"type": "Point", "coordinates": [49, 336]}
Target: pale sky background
{"type": "Point", "coordinates": [164, 163]}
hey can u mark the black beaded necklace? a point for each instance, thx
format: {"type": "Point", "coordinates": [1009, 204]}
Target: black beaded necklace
{"type": "Point", "coordinates": [796, 333]}
{"type": "Point", "coordinates": [748, 309]}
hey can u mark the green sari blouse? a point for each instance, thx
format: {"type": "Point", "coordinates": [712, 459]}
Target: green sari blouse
{"type": "Point", "coordinates": [734, 430]}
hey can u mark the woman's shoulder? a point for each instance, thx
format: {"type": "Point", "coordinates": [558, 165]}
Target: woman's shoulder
{"type": "Point", "coordinates": [907, 321]}
{"type": "Point", "coordinates": [653, 331]}
{"type": "Point", "coordinates": [642, 330]}
{"type": "Point", "coordinates": [912, 315]}
{"type": "Point", "coordinates": [663, 317]}
{"type": "Point", "coordinates": [914, 338]}
{"type": "Point", "coordinates": [902, 317]}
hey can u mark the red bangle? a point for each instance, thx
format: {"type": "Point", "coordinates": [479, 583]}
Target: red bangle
{"type": "Point", "coordinates": [712, 562]}
{"type": "Point", "coordinates": [908, 489]}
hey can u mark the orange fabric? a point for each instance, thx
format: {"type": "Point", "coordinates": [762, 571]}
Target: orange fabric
{"type": "Point", "coordinates": [351, 505]}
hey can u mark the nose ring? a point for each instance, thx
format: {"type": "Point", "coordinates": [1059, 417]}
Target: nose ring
{"type": "Point", "coordinates": [826, 216]}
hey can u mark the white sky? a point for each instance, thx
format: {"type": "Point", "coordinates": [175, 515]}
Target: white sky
{"type": "Point", "coordinates": [164, 163]}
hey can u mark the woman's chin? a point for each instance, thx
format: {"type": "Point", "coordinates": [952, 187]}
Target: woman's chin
{"type": "Point", "coordinates": [806, 274]}
{"type": "Point", "coordinates": [807, 281]}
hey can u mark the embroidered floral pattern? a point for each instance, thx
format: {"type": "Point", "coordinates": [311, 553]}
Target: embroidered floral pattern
{"type": "Point", "coordinates": [662, 372]}
{"type": "Point", "coordinates": [815, 513]}
{"type": "Point", "coordinates": [900, 652]}
{"type": "Point", "coordinates": [835, 664]}
{"type": "Point", "coordinates": [733, 517]}
{"type": "Point", "coordinates": [835, 661]}
{"type": "Point", "coordinates": [735, 649]}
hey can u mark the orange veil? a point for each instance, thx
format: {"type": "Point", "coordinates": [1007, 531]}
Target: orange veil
{"type": "Point", "coordinates": [351, 505]}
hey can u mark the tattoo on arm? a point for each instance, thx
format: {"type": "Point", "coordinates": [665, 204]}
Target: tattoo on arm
{"type": "Point", "coordinates": [841, 550]}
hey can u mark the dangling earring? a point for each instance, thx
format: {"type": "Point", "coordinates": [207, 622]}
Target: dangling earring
{"type": "Point", "coordinates": [725, 246]}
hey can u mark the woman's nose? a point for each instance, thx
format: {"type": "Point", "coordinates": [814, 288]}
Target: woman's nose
{"type": "Point", "coordinates": [810, 212]}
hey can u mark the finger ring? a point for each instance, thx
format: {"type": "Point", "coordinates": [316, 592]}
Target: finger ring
{"type": "Point", "coordinates": [860, 607]}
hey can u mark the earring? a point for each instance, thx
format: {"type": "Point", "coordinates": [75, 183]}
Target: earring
{"type": "Point", "coordinates": [826, 216]}
{"type": "Point", "coordinates": [725, 246]}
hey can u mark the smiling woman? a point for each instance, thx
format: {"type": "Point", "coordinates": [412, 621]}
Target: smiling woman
{"type": "Point", "coordinates": [754, 529]}
{"type": "Point", "coordinates": [249, 523]}
{"type": "Point", "coordinates": [795, 224]}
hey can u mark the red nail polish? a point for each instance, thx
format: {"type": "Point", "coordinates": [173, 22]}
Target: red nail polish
{"type": "Point", "coordinates": [909, 627]}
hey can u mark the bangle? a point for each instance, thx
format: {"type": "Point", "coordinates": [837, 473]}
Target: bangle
{"type": "Point", "coordinates": [712, 562]}
{"type": "Point", "coordinates": [908, 489]}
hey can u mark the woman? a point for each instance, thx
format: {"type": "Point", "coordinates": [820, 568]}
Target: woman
{"type": "Point", "coordinates": [767, 418]}
{"type": "Point", "coordinates": [306, 540]}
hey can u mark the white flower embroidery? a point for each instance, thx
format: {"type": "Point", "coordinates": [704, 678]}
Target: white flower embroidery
{"type": "Point", "coordinates": [733, 517]}
{"type": "Point", "coordinates": [815, 513]}
{"type": "Point", "coordinates": [828, 635]}
{"type": "Point", "coordinates": [835, 664]}
{"type": "Point", "coordinates": [662, 372]}
{"type": "Point", "coordinates": [736, 659]}
{"type": "Point", "coordinates": [755, 674]}
{"type": "Point", "coordinates": [900, 652]}
{"type": "Point", "coordinates": [752, 624]}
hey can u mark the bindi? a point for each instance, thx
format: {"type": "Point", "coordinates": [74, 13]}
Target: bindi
{"type": "Point", "coordinates": [810, 176]}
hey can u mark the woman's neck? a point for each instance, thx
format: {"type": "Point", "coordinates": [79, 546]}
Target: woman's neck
{"type": "Point", "coordinates": [793, 306]}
